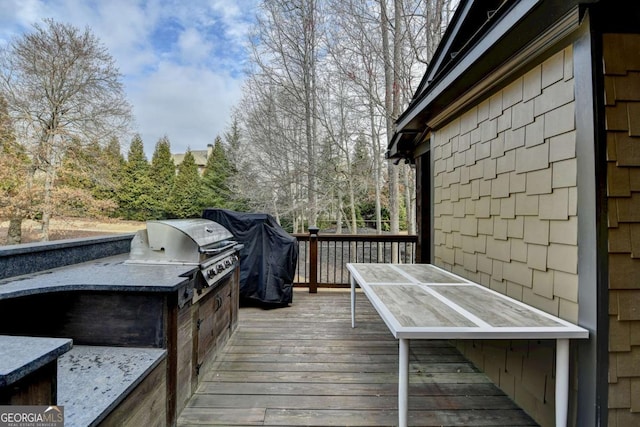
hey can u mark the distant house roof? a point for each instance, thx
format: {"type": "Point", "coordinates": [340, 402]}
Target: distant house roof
{"type": "Point", "coordinates": [483, 35]}
{"type": "Point", "coordinates": [200, 157]}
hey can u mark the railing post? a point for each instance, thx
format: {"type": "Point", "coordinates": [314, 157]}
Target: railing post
{"type": "Point", "coordinates": [313, 260]}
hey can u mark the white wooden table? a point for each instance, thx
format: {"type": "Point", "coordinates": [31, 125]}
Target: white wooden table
{"type": "Point", "coordinates": [422, 301]}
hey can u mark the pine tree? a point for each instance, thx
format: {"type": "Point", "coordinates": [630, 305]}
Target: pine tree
{"type": "Point", "coordinates": [136, 190]}
{"type": "Point", "coordinates": [215, 191]}
{"type": "Point", "coordinates": [235, 159]}
{"type": "Point", "coordinates": [185, 196]}
{"type": "Point", "coordinates": [162, 174]}
{"type": "Point", "coordinates": [16, 201]}
{"type": "Point", "coordinates": [81, 178]}
{"type": "Point", "coordinates": [113, 164]}
{"type": "Point", "coordinates": [232, 138]}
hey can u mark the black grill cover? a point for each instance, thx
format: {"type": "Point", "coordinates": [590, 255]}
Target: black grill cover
{"type": "Point", "coordinates": [268, 259]}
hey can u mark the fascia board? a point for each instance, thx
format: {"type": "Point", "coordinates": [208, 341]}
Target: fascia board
{"type": "Point", "coordinates": [502, 27]}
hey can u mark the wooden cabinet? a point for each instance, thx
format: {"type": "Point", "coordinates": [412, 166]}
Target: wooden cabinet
{"type": "Point", "coordinates": [213, 325]}
{"type": "Point", "coordinates": [204, 326]}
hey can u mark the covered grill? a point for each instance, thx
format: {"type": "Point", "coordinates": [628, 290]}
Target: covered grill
{"type": "Point", "coordinates": [199, 242]}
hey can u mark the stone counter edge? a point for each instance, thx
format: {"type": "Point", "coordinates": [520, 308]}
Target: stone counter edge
{"type": "Point", "coordinates": [17, 260]}
{"type": "Point", "coordinates": [50, 349]}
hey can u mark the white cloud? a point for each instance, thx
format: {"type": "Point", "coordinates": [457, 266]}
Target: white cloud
{"type": "Point", "coordinates": [194, 47]}
{"type": "Point", "coordinates": [181, 61]}
{"type": "Point", "coordinates": [190, 105]}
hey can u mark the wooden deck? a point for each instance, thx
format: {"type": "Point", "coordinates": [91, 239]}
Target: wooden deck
{"type": "Point", "coordinates": [305, 366]}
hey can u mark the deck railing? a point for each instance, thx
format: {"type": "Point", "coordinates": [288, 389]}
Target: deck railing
{"type": "Point", "coordinates": [322, 258]}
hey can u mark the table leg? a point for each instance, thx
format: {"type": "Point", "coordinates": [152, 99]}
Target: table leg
{"type": "Point", "coordinates": [353, 302]}
{"type": "Point", "coordinates": [403, 382]}
{"type": "Point", "coordinates": [562, 381]}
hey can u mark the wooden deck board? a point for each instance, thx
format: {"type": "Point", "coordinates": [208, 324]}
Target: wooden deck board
{"type": "Point", "coordinates": [305, 365]}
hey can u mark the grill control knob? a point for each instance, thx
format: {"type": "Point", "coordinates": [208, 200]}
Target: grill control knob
{"type": "Point", "coordinates": [220, 267]}
{"type": "Point", "coordinates": [227, 262]}
{"type": "Point", "coordinates": [210, 273]}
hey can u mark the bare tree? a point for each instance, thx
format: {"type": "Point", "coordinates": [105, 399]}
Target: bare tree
{"type": "Point", "coordinates": [355, 48]}
{"type": "Point", "coordinates": [273, 180]}
{"type": "Point", "coordinates": [61, 85]}
{"type": "Point", "coordinates": [306, 105]}
{"type": "Point", "coordinates": [286, 53]}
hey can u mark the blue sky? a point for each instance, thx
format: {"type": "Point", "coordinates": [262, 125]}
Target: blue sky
{"type": "Point", "coordinates": [182, 61]}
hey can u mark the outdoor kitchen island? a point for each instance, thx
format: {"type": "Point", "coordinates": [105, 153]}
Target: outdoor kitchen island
{"type": "Point", "coordinates": [141, 333]}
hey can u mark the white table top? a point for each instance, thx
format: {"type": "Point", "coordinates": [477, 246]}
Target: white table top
{"type": "Point", "coordinates": [427, 302]}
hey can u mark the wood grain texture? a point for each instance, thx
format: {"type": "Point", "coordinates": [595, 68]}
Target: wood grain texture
{"type": "Point", "coordinates": [305, 365]}
{"type": "Point", "coordinates": [37, 388]}
{"type": "Point", "coordinates": [380, 273]}
{"type": "Point", "coordinates": [88, 317]}
{"type": "Point", "coordinates": [184, 356]}
{"type": "Point", "coordinates": [411, 306]}
{"type": "Point", "coordinates": [495, 311]}
{"type": "Point", "coordinates": [146, 405]}
{"type": "Point", "coordinates": [428, 275]}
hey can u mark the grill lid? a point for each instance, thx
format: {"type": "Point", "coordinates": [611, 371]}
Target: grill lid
{"type": "Point", "coordinates": [203, 232]}
{"type": "Point", "coordinates": [188, 241]}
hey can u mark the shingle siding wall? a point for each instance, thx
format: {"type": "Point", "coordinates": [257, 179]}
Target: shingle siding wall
{"type": "Point", "coordinates": [505, 215]}
{"type": "Point", "coordinates": [622, 114]}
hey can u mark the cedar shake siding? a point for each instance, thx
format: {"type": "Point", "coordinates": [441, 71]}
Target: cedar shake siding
{"type": "Point", "coordinates": [525, 132]}
{"type": "Point", "coordinates": [505, 215]}
{"type": "Point", "coordinates": [622, 113]}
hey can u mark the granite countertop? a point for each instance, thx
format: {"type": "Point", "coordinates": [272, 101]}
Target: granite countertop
{"type": "Point", "coordinates": [105, 274]}
{"type": "Point", "coordinates": [93, 380]}
{"type": "Point", "coordinates": [20, 356]}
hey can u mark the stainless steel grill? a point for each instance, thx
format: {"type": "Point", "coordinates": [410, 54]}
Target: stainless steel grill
{"type": "Point", "coordinates": [199, 242]}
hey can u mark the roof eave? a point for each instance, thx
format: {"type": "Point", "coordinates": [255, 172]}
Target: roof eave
{"type": "Point", "coordinates": [491, 50]}
{"type": "Point", "coordinates": [467, 61]}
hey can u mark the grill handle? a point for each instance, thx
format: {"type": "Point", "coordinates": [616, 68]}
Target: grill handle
{"type": "Point", "coordinates": [215, 251]}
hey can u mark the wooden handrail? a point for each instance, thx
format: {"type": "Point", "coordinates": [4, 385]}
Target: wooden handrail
{"type": "Point", "coordinates": [410, 238]}
{"type": "Point", "coordinates": [322, 258]}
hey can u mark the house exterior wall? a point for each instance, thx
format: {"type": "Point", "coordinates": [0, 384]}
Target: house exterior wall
{"type": "Point", "coordinates": [505, 216]}
{"type": "Point", "coordinates": [622, 114]}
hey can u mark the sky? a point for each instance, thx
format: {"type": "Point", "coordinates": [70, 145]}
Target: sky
{"type": "Point", "coordinates": [181, 61]}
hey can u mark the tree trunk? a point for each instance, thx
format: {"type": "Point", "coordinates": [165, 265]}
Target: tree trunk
{"type": "Point", "coordinates": [410, 191]}
{"type": "Point", "coordinates": [339, 214]}
{"type": "Point", "coordinates": [47, 206]}
{"type": "Point", "coordinates": [352, 207]}
{"type": "Point", "coordinates": [377, 157]}
{"type": "Point", "coordinates": [391, 106]}
{"type": "Point", "coordinates": [394, 174]}
{"type": "Point", "coordinates": [310, 107]}
{"type": "Point", "coordinates": [14, 234]}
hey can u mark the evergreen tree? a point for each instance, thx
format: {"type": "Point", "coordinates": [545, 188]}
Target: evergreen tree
{"type": "Point", "coordinates": [235, 159]}
{"type": "Point", "coordinates": [362, 162]}
{"type": "Point", "coordinates": [113, 164]}
{"type": "Point", "coordinates": [162, 174]}
{"type": "Point", "coordinates": [81, 179]}
{"type": "Point", "coordinates": [73, 171]}
{"type": "Point", "coordinates": [215, 185]}
{"type": "Point", "coordinates": [135, 196]}
{"type": "Point", "coordinates": [16, 199]}
{"type": "Point", "coordinates": [232, 138]}
{"type": "Point", "coordinates": [185, 196]}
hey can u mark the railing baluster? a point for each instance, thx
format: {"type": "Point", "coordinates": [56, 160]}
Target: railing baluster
{"type": "Point", "coordinates": [327, 269]}
{"type": "Point", "coordinates": [313, 259]}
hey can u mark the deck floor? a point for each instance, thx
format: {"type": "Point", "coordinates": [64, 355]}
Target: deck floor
{"type": "Point", "coordinates": [304, 365]}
